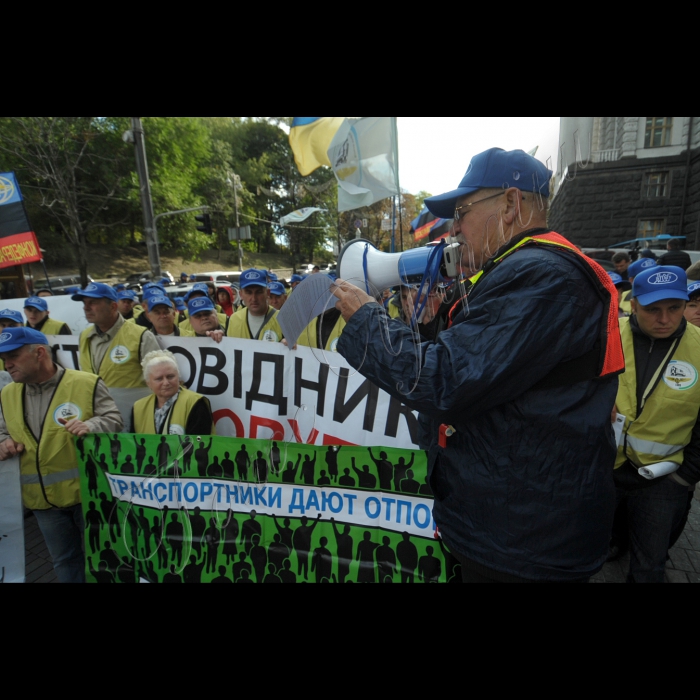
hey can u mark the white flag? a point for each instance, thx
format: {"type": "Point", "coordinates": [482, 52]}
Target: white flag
{"type": "Point", "coordinates": [299, 216]}
{"type": "Point", "coordinates": [364, 158]}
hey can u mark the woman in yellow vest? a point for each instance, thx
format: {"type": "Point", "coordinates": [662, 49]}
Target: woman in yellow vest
{"type": "Point", "coordinates": [172, 409]}
{"type": "Point", "coordinates": [36, 310]}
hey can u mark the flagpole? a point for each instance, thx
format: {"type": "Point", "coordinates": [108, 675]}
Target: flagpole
{"type": "Point", "coordinates": [398, 185]}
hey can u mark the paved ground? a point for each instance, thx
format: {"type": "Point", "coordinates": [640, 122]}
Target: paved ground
{"type": "Point", "coordinates": [684, 566]}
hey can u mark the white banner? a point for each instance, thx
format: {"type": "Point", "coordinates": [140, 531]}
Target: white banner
{"type": "Point", "coordinates": [299, 216]}
{"type": "Point", "coordinates": [266, 391]}
{"type": "Point", "coordinates": [61, 308]}
{"type": "Point", "coordinates": [11, 524]}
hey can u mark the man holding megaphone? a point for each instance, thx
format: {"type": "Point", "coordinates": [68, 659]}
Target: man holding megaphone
{"type": "Point", "coordinates": [515, 396]}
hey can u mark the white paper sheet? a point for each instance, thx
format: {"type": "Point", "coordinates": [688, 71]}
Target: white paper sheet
{"type": "Point", "coordinates": [656, 471]}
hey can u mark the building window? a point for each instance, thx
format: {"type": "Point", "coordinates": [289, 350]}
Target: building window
{"type": "Point", "coordinates": [659, 132]}
{"type": "Point", "coordinates": [655, 185]}
{"type": "Point", "coordinates": [651, 228]}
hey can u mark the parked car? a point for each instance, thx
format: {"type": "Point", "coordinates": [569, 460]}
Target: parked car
{"type": "Point", "coordinates": [59, 285]}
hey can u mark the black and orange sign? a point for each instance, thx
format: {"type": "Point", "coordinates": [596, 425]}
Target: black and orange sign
{"type": "Point", "coordinates": [18, 243]}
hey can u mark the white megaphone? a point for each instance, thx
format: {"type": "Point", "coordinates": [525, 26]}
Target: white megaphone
{"type": "Point", "coordinates": [361, 264]}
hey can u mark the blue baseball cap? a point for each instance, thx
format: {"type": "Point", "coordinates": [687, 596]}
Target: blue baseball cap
{"type": "Point", "coordinates": [636, 268]}
{"type": "Point", "coordinates": [180, 304]}
{"type": "Point", "coordinates": [693, 288]}
{"type": "Point", "coordinates": [659, 284]}
{"type": "Point", "coordinates": [200, 288]}
{"type": "Point", "coordinates": [296, 279]}
{"type": "Point", "coordinates": [495, 169]}
{"type": "Point", "coordinates": [616, 279]}
{"type": "Point", "coordinates": [196, 306]}
{"type": "Point", "coordinates": [36, 303]}
{"type": "Point", "coordinates": [14, 316]}
{"type": "Point", "coordinates": [120, 287]}
{"type": "Point", "coordinates": [159, 300]}
{"type": "Point", "coordinates": [96, 291]}
{"type": "Point", "coordinates": [153, 285]}
{"type": "Point", "coordinates": [13, 339]}
{"type": "Point", "coordinates": [272, 277]}
{"type": "Point", "coordinates": [193, 278]}
{"type": "Point", "coordinates": [128, 296]}
{"type": "Point", "coordinates": [277, 288]}
{"type": "Point", "coordinates": [253, 278]}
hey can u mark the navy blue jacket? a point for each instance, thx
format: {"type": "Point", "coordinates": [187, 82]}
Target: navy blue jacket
{"type": "Point", "coordinates": [526, 485]}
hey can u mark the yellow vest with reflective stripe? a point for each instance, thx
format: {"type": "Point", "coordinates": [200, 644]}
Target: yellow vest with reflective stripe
{"type": "Point", "coordinates": [670, 411]}
{"type": "Point", "coordinates": [626, 303]}
{"type": "Point", "coordinates": [49, 468]}
{"type": "Point", "coordinates": [309, 337]}
{"type": "Point", "coordinates": [238, 328]}
{"type": "Point", "coordinates": [51, 327]}
{"type": "Point", "coordinates": [175, 424]}
{"type": "Point", "coordinates": [393, 310]}
{"type": "Point", "coordinates": [121, 366]}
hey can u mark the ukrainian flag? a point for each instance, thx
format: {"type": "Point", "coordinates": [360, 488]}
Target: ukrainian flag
{"type": "Point", "coordinates": [310, 138]}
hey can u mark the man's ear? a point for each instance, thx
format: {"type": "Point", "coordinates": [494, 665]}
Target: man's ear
{"type": "Point", "coordinates": [635, 306]}
{"type": "Point", "coordinates": [513, 199]}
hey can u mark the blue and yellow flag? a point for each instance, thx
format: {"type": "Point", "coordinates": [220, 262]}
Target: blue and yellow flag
{"type": "Point", "coordinates": [310, 139]}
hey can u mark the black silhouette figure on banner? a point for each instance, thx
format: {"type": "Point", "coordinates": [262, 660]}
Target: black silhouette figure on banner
{"type": "Point", "coordinates": [260, 468]}
{"type": "Point", "coordinates": [287, 575]}
{"type": "Point", "coordinates": [91, 472]}
{"type": "Point", "coordinates": [245, 578]}
{"type": "Point", "coordinates": [365, 555]}
{"type": "Point", "coordinates": [193, 571]}
{"type": "Point", "coordinates": [278, 552]}
{"type": "Point", "coordinates": [110, 515]}
{"type": "Point", "coordinates": [365, 478]}
{"type": "Point", "coordinates": [243, 567]}
{"type": "Point", "coordinates": [258, 555]}
{"type": "Point", "coordinates": [425, 489]}
{"type": "Point", "coordinates": [80, 446]}
{"type": "Point", "coordinates": [172, 576]}
{"type": "Point", "coordinates": [229, 467]}
{"type": "Point", "coordinates": [324, 480]}
{"type": "Point", "coordinates": [332, 463]}
{"type": "Point", "coordinates": [453, 569]}
{"type": "Point", "coordinates": [102, 575]}
{"type": "Point", "coordinates": [346, 480]}
{"type": "Point", "coordinates": [201, 456]}
{"type": "Point", "coordinates": [386, 562]}
{"type": "Point", "coordinates": [250, 529]}
{"type": "Point", "coordinates": [151, 575]}
{"type": "Point", "coordinates": [275, 458]}
{"type": "Point", "coordinates": [213, 538]}
{"type": "Point", "coordinates": [289, 475]}
{"type": "Point", "coordinates": [164, 453]}
{"type": "Point", "coordinates": [173, 471]}
{"type": "Point", "coordinates": [401, 471]}
{"type": "Point", "coordinates": [175, 536]}
{"type": "Point", "coordinates": [103, 464]}
{"type": "Point", "coordinates": [243, 463]}
{"type": "Point", "coordinates": [128, 468]}
{"type": "Point", "coordinates": [159, 544]}
{"type": "Point", "coordinates": [409, 485]}
{"type": "Point", "coordinates": [140, 453]}
{"type": "Point", "coordinates": [216, 470]}
{"type": "Point", "coordinates": [198, 524]}
{"type": "Point", "coordinates": [302, 545]}
{"type": "Point", "coordinates": [94, 523]}
{"type": "Point", "coordinates": [322, 563]}
{"type": "Point", "coordinates": [308, 470]}
{"type": "Point", "coordinates": [127, 574]}
{"type": "Point", "coordinates": [115, 445]}
{"type": "Point", "coordinates": [286, 532]}
{"type": "Point", "coordinates": [385, 469]}
{"type": "Point", "coordinates": [272, 576]}
{"type": "Point", "coordinates": [407, 554]}
{"type": "Point", "coordinates": [429, 567]}
{"type": "Point", "coordinates": [132, 522]}
{"type": "Point", "coordinates": [151, 469]}
{"type": "Point", "coordinates": [344, 547]}
{"type": "Point", "coordinates": [222, 576]}
{"type": "Point", "coordinates": [187, 452]}
{"type": "Point", "coordinates": [144, 524]}
{"type": "Point", "coordinates": [230, 533]}
{"type": "Point", "coordinates": [111, 558]}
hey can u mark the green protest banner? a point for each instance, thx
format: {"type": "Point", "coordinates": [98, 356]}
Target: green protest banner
{"type": "Point", "coordinates": [220, 510]}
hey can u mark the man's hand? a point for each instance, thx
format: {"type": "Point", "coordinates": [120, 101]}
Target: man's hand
{"type": "Point", "coordinates": [351, 299]}
{"type": "Point", "coordinates": [75, 427]}
{"type": "Point", "coordinates": [216, 336]}
{"type": "Point", "coordinates": [9, 449]}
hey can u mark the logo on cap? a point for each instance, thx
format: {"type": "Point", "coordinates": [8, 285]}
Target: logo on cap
{"type": "Point", "coordinates": [35, 300]}
{"type": "Point", "coordinates": [91, 288]}
{"type": "Point", "coordinates": [648, 263]}
{"type": "Point", "coordinates": [680, 376]}
{"type": "Point", "coordinates": [663, 278]}
{"type": "Point", "coordinates": [67, 412]}
{"type": "Point", "coordinates": [253, 276]}
{"type": "Point", "coordinates": [120, 355]}
{"type": "Point", "coordinates": [7, 312]}
{"type": "Point", "coordinates": [198, 303]}
{"type": "Point", "coordinates": [154, 301]}
{"type": "Point", "coordinates": [5, 337]}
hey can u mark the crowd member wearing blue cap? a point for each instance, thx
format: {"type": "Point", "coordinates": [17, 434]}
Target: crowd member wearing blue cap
{"type": "Point", "coordinates": [258, 321]}
{"type": "Point", "coordinates": [278, 295]}
{"type": "Point", "coordinates": [515, 396]}
{"type": "Point", "coordinates": [692, 311]}
{"type": "Point", "coordinates": [126, 301]}
{"type": "Point", "coordinates": [204, 320]}
{"type": "Point", "coordinates": [9, 318]}
{"type": "Point", "coordinates": [659, 396]}
{"type": "Point", "coordinates": [295, 281]}
{"type": "Point", "coordinates": [111, 347]}
{"type": "Point", "coordinates": [184, 278]}
{"type": "Point", "coordinates": [57, 405]}
{"type": "Point", "coordinates": [181, 308]}
{"type": "Point", "coordinates": [633, 270]}
{"type": "Point", "coordinates": [36, 310]}
{"type": "Point", "coordinates": [163, 316]}
{"type": "Point", "coordinates": [200, 291]}
{"type": "Point", "coordinates": [620, 286]}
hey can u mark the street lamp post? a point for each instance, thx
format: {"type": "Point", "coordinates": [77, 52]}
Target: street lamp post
{"type": "Point", "coordinates": [235, 182]}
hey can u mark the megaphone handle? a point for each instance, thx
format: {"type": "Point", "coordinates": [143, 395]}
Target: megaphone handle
{"type": "Point", "coordinates": [366, 268]}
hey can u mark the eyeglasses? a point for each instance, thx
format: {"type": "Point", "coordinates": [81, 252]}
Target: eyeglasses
{"type": "Point", "coordinates": [459, 215]}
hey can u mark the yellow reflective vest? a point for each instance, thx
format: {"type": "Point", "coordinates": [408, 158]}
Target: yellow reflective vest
{"type": "Point", "coordinates": [121, 367]}
{"type": "Point", "coordinates": [176, 422]}
{"type": "Point", "coordinates": [49, 465]}
{"type": "Point", "coordinates": [671, 405]}
{"type": "Point", "coordinates": [50, 327]}
{"type": "Point", "coordinates": [626, 303]}
{"type": "Point", "coordinates": [270, 332]}
{"type": "Point", "coordinates": [188, 332]}
{"type": "Point", "coordinates": [309, 337]}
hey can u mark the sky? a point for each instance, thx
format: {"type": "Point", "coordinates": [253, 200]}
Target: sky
{"type": "Point", "coordinates": [435, 152]}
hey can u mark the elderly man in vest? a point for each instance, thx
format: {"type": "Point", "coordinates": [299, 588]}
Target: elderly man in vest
{"type": "Point", "coordinates": [36, 310]}
{"type": "Point", "coordinates": [658, 460]}
{"type": "Point", "coordinates": [513, 397]}
{"type": "Point", "coordinates": [42, 413]}
{"type": "Point", "coordinates": [258, 321]}
{"type": "Point", "coordinates": [204, 321]}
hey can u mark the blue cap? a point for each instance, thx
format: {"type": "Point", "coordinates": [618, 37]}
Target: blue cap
{"type": "Point", "coordinates": [13, 339]}
{"type": "Point", "coordinates": [616, 279]}
{"type": "Point", "coordinates": [636, 268]}
{"type": "Point", "coordinates": [277, 288]}
{"type": "Point", "coordinates": [659, 284]}
{"type": "Point", "coordinates": [165, 282]}
{"type": "Point", "coordinates": [296, 279]}
{"type": "Point", "coordinates": [159, 300]}
{"type": "Point", "coordinates": [185, 274]}
{"type": "Point", "coordinates": [495, 169]}
{"type": "Point", "coordinates": [126, 295]}
{"type": "Point", "coordinates": [36, 303]}
{"type": "Point", "coordinates": [693, 288]}
{"type": "Point", "coordinates": [253, 278]}
{"type": "Point", "coordinates": [14, 316]}
{"type": "Point", "coordinates": [193, 278]}
{"type": "Point", "coordinates": [96, 291]}
{"type": "Point", "coordinates": [198, 305]}
{"type": "Point", "coordinates": [153, 285]}
{"type": "Point", "coordinates": [200, 288]}
{"type": "Point", "coordinates": [180, 304]}
{"type": "Point", "coordinates": [272, 277]}
{"type": "Point", "coordinates": [646, 253]}
{"type": "Point", "coordinates": [120, 287]}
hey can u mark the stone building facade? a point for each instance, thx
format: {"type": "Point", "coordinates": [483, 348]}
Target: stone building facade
{"type": "Point", "coordinates": [621, 178]}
